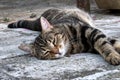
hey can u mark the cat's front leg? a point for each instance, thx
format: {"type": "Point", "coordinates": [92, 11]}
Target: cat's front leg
{"type": "Point", "coordinates": [27, 24]}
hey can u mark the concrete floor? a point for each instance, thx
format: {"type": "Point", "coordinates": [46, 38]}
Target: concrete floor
{"type": "Point", "coordinates": [15, 65]}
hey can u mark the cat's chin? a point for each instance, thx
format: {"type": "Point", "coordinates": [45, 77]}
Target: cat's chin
{"type": "Point", "coordinates": [59, 55]}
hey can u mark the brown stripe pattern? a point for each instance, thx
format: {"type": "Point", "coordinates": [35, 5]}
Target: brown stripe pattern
{"type": "Point", "coordinates": [80, 30]}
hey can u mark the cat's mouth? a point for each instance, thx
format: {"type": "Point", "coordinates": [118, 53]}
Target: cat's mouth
{"type": "Point", "coordinates": [59, 55]}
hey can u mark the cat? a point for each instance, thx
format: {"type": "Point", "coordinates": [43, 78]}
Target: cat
{"type": "Point", "coordinates": [68, 31]}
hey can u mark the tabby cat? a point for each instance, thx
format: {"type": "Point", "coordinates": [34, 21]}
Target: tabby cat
{"type": "Point", "coordinates": [65, 32]}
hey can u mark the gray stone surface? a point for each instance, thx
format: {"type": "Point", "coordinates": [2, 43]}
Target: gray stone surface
{"type": "Point", "coordinates": [17, 65]}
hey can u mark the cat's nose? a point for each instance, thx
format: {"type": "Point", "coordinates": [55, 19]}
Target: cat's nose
{"type": "Point", "coordinates": [56, 51]}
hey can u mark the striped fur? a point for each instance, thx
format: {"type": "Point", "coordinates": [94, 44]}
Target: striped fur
{"type": "Point", "coordinates": [64, 32]}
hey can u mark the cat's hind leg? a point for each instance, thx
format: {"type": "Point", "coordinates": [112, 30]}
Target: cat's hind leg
{"type": "Point", "coordinates": [102, 45]}
{"type": "Point", "coordinates": [108, 52]}
{"type": "Point", "coordinates": [115, 43]}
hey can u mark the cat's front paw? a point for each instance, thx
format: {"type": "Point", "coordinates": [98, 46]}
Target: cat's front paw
{"type": "Point", "coordinates": [113, 58]}
{"type": "Point", "coordinates": [11, 25]}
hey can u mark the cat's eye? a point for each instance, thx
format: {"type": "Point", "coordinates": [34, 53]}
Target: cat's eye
{"type": "Point", "coordinates": [54, 41]}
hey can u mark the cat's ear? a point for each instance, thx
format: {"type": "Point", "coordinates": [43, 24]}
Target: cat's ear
{"type": "Point", "coordinates": [46, 26]}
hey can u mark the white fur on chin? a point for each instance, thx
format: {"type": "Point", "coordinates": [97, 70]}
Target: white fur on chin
{"type": "Point", "coordinates": [63, 50]}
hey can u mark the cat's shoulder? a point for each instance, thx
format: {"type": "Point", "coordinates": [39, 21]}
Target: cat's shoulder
{"type": "Point", "coordinates": [74, 12]}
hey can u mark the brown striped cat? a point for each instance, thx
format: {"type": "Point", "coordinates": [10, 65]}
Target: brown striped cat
{"type": "Point", "coordinates": [65, 32]}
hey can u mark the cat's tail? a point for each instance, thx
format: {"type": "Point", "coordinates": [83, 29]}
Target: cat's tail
{"type": "Point", "coordinates": [28, 24]}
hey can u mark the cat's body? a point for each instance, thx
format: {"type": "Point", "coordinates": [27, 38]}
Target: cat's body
{"type": "Point", "coordinates": [66, 32]}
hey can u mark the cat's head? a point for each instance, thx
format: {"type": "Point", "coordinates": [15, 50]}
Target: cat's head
{"type": "Point", "coordinates": [52, 43]}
